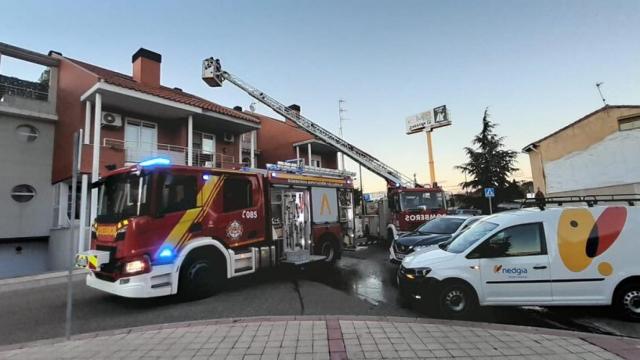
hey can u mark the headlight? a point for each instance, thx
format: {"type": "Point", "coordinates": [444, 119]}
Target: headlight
{"type": "Point", "coordinates": [416, 272]}
{"type": "Point", "coordinates": [137, 266]}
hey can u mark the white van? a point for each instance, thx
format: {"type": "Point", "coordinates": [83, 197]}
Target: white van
{"type": "Point", "coordinates": [558, 256]}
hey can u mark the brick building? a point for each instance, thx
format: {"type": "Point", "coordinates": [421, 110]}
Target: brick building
{"type": "Point", "coordinates": [280, 140]}
{"type": "Point", "coordinates": [129, 118]}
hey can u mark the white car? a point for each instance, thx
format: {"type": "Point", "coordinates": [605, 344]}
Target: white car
{"type": "Point", "coordinates": [558, 256]}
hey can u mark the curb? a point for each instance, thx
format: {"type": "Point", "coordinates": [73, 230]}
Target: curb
{"type": "Point", "coordinates": [628, 348]}
{"type": "Point", "coordinates": [33, 281]}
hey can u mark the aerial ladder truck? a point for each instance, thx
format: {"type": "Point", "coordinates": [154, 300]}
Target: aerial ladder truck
{"type": "Point", "coordinates": [407, 204]}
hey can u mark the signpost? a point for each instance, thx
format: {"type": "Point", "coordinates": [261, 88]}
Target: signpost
{"type": "Point", "coordinates": [427, 121]}
{"type": "Point", "coordinates": [490, 193]}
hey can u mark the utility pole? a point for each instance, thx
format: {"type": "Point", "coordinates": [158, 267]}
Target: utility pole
{"type": "Point", "coordinates": [432, 168]}
{"type": "Point", "coordinates": [77, 159]}
{"type": "Point", "coordinates": [341, 111]}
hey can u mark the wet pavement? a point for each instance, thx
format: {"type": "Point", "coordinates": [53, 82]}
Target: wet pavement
{"type": "Point", "coordinates": [367, 274]}
{"type": "Point", "coordinates": [361, 283]}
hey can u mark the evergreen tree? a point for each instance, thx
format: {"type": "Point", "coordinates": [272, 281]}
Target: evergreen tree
{"type": "Point", "coordinates": [489, 165]}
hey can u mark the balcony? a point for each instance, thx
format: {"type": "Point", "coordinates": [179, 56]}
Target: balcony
{"type": "Point", "coordinates": [135, 152]}
{"type": "Point", "coordinates": [35, 97]}
{"type": "Point", "coordinates": [14, 87]}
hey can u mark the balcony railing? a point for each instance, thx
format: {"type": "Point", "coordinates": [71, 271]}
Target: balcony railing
{"type": "Point", "coordinates": [23, 88]}
{"type": "Point", "coordinates": [138, 151]}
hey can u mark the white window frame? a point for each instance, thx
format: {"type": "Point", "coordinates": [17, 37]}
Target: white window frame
{"type": "Point", "coordinates": [129, 121]}
{"type": "Point", "coordinates": [316, 158]}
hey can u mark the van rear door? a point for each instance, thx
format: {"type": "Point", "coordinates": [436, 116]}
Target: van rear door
{"type": "Point", "coordinates": [514, 266]}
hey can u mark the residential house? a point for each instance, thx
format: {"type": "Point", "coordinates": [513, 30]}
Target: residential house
{"type": "Point", "coordinates": [28, 119]}
{"type": "Point", "coordinates": [594, 155]}
{"type": "Point", "coordinates": [129, 118]}
{"type": "Point", "coordinates": [280, 140]}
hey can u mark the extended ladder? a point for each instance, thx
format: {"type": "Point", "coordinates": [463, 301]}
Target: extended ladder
{"type": "Point", "coordinates": [213, 75]}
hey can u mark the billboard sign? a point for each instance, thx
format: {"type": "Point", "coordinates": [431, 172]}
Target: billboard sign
{"type": "Point", "coordinates": [440, 117]}
{"type": "Point", "coordinates": [419, 122]}
{"type": "Point", "coordinates": [428, 120]}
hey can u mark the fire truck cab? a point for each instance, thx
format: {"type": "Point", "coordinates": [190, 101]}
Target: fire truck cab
{"type": "Point", "coordinates": [402, 210]}
{"type": "Point", "coordinates": [163, 229]}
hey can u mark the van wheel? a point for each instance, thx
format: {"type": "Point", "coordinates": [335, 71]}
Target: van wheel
{"type": "Point", "coordinates": [200, 276]}
{"type": "Point", "coordinates": [627, 302]}
{"type": "Point", "coordinates": [457, 300]}
{"type": "Point", "coordinates": [329, 251]}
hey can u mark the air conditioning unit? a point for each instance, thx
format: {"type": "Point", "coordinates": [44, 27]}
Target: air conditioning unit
{"type": "Point", "coordinates": [111, 119]}
{"type": "Point", "coordinates": [229, 138]}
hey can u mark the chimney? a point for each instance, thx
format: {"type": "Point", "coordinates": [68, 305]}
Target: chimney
{"type": "Point", "coordinates": [295, 107]}
{"type": "Point", "coordinates": [146, 67]}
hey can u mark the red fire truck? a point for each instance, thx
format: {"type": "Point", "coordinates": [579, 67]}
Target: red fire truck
{"type": "Point", "coordinates": [408, 204]}
{"type": "Point", "coordinates": [404, 209]}
{"type": "Point", "coordinates": [163, 229]}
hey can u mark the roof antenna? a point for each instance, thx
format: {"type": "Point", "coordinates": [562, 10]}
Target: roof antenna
{"type": "Point", "coordinates": [600, 92]}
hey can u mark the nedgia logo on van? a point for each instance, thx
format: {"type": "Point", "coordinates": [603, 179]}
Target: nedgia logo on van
{"type": "Point", "coordinates": [510, 271]}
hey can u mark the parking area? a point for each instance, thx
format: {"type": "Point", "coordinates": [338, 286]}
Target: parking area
{"type": "Point", "coordinates": [362, 283]}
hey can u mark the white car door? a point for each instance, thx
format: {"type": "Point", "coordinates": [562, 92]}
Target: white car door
{"type": "Point", "coordinates": [514, 266]}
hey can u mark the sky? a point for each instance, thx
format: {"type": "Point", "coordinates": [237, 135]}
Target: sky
{"type": "Point", "coordinates": [534, 64]}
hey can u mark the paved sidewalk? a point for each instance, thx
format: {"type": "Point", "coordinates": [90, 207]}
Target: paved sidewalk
{"type": "Point", "coordinates": [330, 337]}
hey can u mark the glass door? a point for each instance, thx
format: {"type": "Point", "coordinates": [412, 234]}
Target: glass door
{"type": "Point", "coordinates": [140, 140]}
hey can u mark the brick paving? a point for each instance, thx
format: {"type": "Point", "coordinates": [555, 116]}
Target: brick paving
{"type": "Point", "coordinates": [330, 338]}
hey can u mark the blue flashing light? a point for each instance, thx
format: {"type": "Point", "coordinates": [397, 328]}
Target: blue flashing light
{"type": "Point", "coordinates": [155, 161]}
{"type": "Point", "coordinates": [165, 253]}
{"type": "Point", "coordinates": [206, 177]}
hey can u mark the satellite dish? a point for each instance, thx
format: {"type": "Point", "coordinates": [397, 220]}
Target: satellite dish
{"type": "Point", "coordinates": [252, 107]}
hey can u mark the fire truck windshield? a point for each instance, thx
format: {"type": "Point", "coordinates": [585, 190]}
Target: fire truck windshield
{"type": "Point", "coordinates": [421, 200]}
{"type": "Point", "coordinates": [120, 198]}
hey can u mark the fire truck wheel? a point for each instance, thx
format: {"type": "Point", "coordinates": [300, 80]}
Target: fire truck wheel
{"type": "Point", "coordinates": [200, 275]}
{"type": "Point", "coordinates": [329, 249]}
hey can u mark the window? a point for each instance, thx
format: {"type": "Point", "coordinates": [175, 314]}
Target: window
{"type": "Point", "coordinates": [204, 146]}
{"type": "Point", "coordinates": [443, 225]}
{"type": "Point", "coordinates": [178, 193]}
{"type": "Point", "coordinates": [466, 239]}
{"type": "Point", "coordinates": [629, 123]}
{"type": "Point", "coordinates": [27, 133]}
{"type": "Point", "coordinates": [519, 240]}
{"type": "Point", "coordinates": [23, 193]}
{"type": "Point", "coordinates": [237, 194]}
{"type": "Point", "coordinates": [316, 160]}
{"type": "Point", "coordinates": [141, 139]}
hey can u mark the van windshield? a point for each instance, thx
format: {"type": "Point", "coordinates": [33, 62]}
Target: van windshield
{"type": "Point", "coordinates": [476, 232]}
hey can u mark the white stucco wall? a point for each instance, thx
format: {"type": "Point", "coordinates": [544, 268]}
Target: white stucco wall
{"type": "Point", "coordinates": [613, 161]}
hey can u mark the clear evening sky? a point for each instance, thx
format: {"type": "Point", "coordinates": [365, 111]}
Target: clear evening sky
{"type": "Point", "coordinates": [533, 63]}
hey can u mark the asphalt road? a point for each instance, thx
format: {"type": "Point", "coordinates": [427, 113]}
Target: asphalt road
{"type": "Point", "coordinates": [362, 283]}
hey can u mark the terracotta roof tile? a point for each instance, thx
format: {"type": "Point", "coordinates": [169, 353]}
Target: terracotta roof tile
{"type": "Point", "coordinates": [125, 81]}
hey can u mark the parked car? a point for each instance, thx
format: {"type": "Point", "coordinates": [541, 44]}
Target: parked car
{"type": "Point", "coordinates": [432, 232]}
{"type": "Point", "coordinates": [531, 257]}
{"type": "Point", "coordinates": [460, 211]}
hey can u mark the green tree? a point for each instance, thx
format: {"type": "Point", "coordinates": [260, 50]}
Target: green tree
{"type": "Point", "coordinates": [489, 165]}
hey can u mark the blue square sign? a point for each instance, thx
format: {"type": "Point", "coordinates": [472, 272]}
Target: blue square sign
{"type": "Point", "coordinates": [489, 192]}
